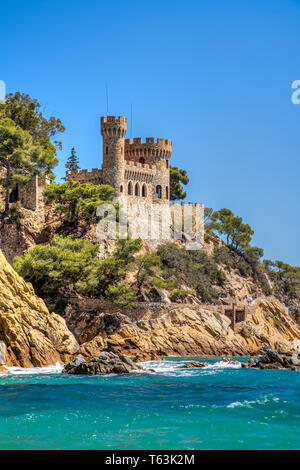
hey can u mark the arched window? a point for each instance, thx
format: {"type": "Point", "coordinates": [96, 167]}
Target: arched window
{"type": "Point", "coordinates": [121, 188]}
{"type": "Point", "coordinates": [167, 192]}
{"type": "Point", "coordinates": [167, 163]}
{"type": "Point", "coordinates": [130, 188]}
{"type": "Point", "coordinates": [144, 190]}
{"type": "Point", "coordinates": [137, 189]}
{"type": "Point", "coordinates": [158, 191]}
{"type": "Point", "coordinates": [142, 160]}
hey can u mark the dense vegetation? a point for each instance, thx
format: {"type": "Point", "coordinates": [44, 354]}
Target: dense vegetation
{"type": "Point", "coordinates": [69, 265]}
{"type": "Point", "coordinates": [26, 147]}
{"type": "Point", "coordinates": [74, 200]}
{"type": "Point", "coordinates": [194, 269]}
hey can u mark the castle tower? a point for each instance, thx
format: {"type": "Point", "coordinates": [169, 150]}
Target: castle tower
{"type": "Point", "coordinates": [113, 130]}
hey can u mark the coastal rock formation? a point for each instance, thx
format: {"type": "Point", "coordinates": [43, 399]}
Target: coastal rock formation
{"type": "Point", "coordinates": [106, 363]}
{"type": "Point", "coordinates": [29, 334]}
{"type": "Point", "coordinates": [271, 359]}
{"type": "Point", "coordinates": [183, 330]}
{"type": "Point", "coordinates": [193, 365]}
{"type": "Point", "coordinates": [4, 371]}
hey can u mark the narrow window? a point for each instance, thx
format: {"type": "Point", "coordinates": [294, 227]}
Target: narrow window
{"type": "Point", "coordinates": [137, 189]}
{"type": "Point", "coordinates": [106, 150]}
{"type": "Point", "coordinates": [130, 188]}
{"type": "Point", "coordinates": [158, 191]}
{"type": "Point", "coordinates": [121, 188]}
{"type": "Point", "coordinates": [144, 191]}
{"type": "Point", "coordinates": [167, 192]}
{"type": "Point", "coordinates": [167, 163]}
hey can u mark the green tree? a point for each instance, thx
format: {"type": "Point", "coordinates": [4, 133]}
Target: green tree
{"type": "Point", "coordinates": [76, 199]}
{"type": "Point", "coordinates": [237, 234]}
{"type": "Point", "coordinates": [126, 250]}
{"type": "Point", "coordinates": [178, 177]}
{"type": "Point", "coordinates": [121, 294]}
{"type": "Point", "coordinates": [148, 267]}
{"type": "Point", "coordinates": [25, 112]}
{"type": "Point", "coordinates": [285, 276]}
{"type": "Point", "coordinates": [21, 158]}
{"type": "Point", "coordinates": [50, 268]}
{"type": "Point", "coordinates": [71, 265]}
{"type": "Point", "coordinates": [72, 162]}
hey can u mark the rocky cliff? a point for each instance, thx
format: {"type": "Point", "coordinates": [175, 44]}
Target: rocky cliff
{"type": "Point", "coordinates": [29, 334]}
{"type": "Point", "coordinates": [183, 329]}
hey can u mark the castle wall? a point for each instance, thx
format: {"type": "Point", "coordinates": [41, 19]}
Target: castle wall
{"type": "Point", "coordinates": [31, 195]}
{"type": "Point", "coordinates": [84, 176]}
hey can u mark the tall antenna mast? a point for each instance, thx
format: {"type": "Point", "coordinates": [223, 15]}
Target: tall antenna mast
{"type": "Point", "coordinates": [106, 87]}
{"type": "Point", "coordinates": [131, 120]}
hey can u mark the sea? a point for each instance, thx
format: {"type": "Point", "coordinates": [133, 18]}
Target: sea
{"type": "Point", "coordinates": [222, 406]}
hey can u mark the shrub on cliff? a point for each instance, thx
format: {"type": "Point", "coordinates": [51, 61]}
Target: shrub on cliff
{"type": "Point", "coordinates": [52, 267]}
{"type": "Point", "coordinates": [75, 200]}
{"type": "Point", "coordinates": [193, 268]}
{"type": "Point", "coordinates": [21, 157]}
{"type": "Point", "coordinates": [247, 264]}
{"type": "Point", "coordinates": [71, 265]}
{"type": "Point", "coordinates": [286, 278]}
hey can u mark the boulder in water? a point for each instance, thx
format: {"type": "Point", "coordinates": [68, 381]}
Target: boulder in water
{"type": "Point", "coordinates": [106, 363]}
{"type": "Point", "coordinates": [193, 365]}
{"type": "Point", "coordinates": [271, 359]}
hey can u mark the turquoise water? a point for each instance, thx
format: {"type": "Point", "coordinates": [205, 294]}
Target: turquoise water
{"type": "Point", "coordinates": [213, 408]}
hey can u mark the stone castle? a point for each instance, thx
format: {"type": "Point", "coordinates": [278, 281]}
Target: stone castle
{"type": "Point", "coordinates": [138, 171]}
{"type": "Point", "coordinates": [134, 168]}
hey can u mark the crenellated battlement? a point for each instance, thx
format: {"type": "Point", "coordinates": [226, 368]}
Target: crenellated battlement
{"type": "Point", "coordinates": [113, 119]}
{"type": "Point", "coordinates": [187, 204]}
{"type": "Point", "coordinates": [85, 176]}
{"type": "Point", "coordinates": [159, 149]}
{"type": "Point", "coordinates": [149, 140]}
{"type": "Point", "coordinates": [113, 126]}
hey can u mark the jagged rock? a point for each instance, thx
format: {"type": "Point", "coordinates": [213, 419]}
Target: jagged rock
{"type": "Point", "coordinates": [106, 363]}
{"type": "Point", "coordinates": [30, 335]}
{"type": "Point", "coordinates": [253, 362]}
{"type": "Point", "coordinates": [270, 356]}
{"type": "Point", "coordinates": [193, 365]}
{"type": "Point", "coordinates": [4, 370]}
{"type": "Point", "coordinates": [143, 357]}
{"type": "Point", "coordinates": [271, 359]}
{"type": "Point", "coordinates": [185, 330]}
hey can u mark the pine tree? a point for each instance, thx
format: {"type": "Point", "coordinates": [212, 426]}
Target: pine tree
{"type": "Point", "coordinates": [72, 162]}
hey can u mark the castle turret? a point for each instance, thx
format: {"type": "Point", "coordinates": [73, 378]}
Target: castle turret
{"type": "Point", "coordinates": [113, 130]}
{"type": "Point", "coordinates": [158, 154]}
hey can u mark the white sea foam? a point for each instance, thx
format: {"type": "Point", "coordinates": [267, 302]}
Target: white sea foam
{"type": "Point", "coordinates": [36, 370]}
{"type": "Point", "coordinates": [162, 367]}
{"type": "Point", "coordinates": [170, 367]}
{"type": "Point", "coordinates": [250, 403]}
{"type": "Point", "coordinates": [225, 365]}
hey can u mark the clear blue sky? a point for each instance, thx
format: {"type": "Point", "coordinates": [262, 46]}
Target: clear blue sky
{"type": "Point", "coordinates": [213, 76]}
